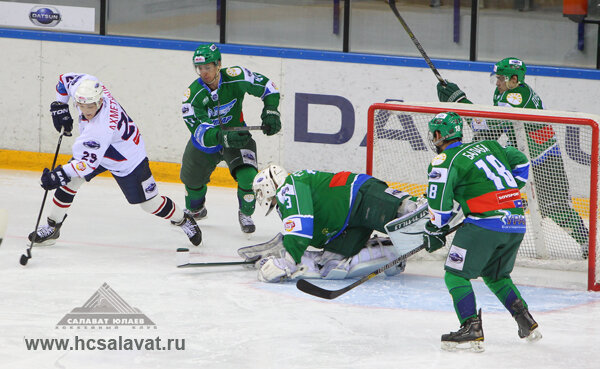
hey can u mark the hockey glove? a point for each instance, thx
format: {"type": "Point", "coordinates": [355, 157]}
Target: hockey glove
{"type": "Point", "coordinates": [61, 117]}
{"type": "Point", "coordinates": [273, 269]}
{"type": "Point", "coordinates": [271, 122]}
{"type": "Point", "coordinates": [434, 238]}
{"type": "Point", "coordinates": [450, 92]}
{"type": "Point", "coordinates": [233, 139]}
{"type": "Point", "coordinates": [53, 179]}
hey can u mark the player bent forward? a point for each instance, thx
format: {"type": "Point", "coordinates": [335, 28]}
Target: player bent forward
{"type": "Point", "coordinates": [109, 140]}
{"type": "Point", "coordinates": [484, 178]}
{"type": "Point", "coordinates": [335, 213]}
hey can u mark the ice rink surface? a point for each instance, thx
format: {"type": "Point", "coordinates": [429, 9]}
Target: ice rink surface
{"type": "Point", "coordinates": [230, 320]}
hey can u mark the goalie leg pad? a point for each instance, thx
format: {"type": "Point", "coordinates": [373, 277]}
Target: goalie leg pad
{"type": "Point", "coordinates": [368, 260]}
{"type": "Point", "coordinates": [406, 232]}
{"type": "Point", "coordinates": [263, 250]}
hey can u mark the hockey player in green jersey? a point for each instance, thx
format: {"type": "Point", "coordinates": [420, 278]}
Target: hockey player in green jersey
{"type": "Point", "coordinates": [212, 102]}
{"type": "Point", "coordinates": [334, 213]}
{"type": "Point", "coordinates": [484, 178]}
{"type": "Point", "coordinates": [549, 176]}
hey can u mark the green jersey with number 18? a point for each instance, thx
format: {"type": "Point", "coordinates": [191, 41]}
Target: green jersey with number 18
{"type": "Point", "coordinates": [484, 178]}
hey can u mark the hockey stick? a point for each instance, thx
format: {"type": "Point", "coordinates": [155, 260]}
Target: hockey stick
{"type": "Point", "coordinates": [183, 260]}
{"type": "Point", "coordinates": [25, 257]}
{"type": "Point", "coordinates": [224, 263]}
{"type": "Point", "coordinates": [307, 287]}
{"type": "Point", "coordinates": [245, 128]}
{"type": "Point", "coordinates": [392, 4]}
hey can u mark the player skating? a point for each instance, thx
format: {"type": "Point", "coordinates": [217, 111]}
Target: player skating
{"type": "Point", "coordinates": [212, 102]}
{"type": "Point", "coordinates": [485, 179]}
{"type": "Point", "coordinates": [335, 213]}
{"type": "Point", "coordinates": [547, 166]}
{"type": "Point", "coordinates": [108, 140]}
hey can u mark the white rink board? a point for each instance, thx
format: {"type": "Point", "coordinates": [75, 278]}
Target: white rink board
{"type": "Point", "coordinates": [149, 83]}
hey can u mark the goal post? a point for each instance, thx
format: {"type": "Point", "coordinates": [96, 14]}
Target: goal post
{"type": "Point", "coordinates": [562, 191]}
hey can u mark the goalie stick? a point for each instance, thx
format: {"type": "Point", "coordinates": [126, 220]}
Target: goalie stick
{"type": "Point", "coordinates": [392, 4]}
{"type": "Point", "coordinates": [27, 255]}
{"type": "Point", "coordinates": [307, 287]}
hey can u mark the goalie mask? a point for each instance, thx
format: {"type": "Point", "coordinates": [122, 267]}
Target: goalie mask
{"type": "Point", "coordinates": [205, 54]}
{"type": "Point", "coordinates": [265, 186]}
{"type": "Point", "coordinates": [509, 67]}
{"type": "Point", "coordinates": [450, 126]}
{"type": "Point", "coordinates": [89, 92]}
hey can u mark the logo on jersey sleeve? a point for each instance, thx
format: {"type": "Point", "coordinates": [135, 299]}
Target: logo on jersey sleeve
{"type": "Point", "coordinates": [80, 166]}
{"type": "Point", "coordinates": [439, 159]}
{"type": "Point", "coordinates": [514, 98]}
{"type": "Point", "coordinates": [186, 109]}
{"type": "Point", "coordinates": [292, 225]}
{"type": "Point", "coordinates": [233, 71]}
{"type": "Point", "coordinates": [438, 175]}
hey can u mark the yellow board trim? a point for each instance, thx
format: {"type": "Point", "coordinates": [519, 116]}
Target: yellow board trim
{"type": "Point", "coordinates": [162, 171]}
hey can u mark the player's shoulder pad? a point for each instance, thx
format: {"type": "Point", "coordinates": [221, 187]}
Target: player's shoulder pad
{"type": "Point", "coordinates": [195, 92]}
{"type": "Point", "coordinates": [234, 73]}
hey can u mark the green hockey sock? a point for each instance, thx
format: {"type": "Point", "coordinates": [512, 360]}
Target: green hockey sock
{"type": "Point", "coordinates": [244, 177]}
{"type": "Point", "coordinates": [506, 291]}
{"type": "Point", "coordinates": [463, 296]}
{"type": "Point", "coordinates": [195, 197]}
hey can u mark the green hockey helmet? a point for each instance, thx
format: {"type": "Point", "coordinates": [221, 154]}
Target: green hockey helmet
{"type": "Point", "coordinates": [208, 53]}
{"type": "Point", "coordinates": [509, 67]}
{"type": "Point", "coordinates": [450, 126]}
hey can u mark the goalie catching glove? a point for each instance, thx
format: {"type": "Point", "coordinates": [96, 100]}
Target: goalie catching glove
{"type": "Point", "coordinates": [451, 93]}
{"type": "Point", "coordinates": [271, 121]}
{"type": "Point", "coordinates": [273, 269]}
{"type": "Point", "coordinates": [434, 238]}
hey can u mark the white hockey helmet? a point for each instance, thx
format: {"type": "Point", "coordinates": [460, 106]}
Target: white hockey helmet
{"type": "Point", "coordinates": [265, 185]}
{"type": "Point", "coordinates": [89, 92]}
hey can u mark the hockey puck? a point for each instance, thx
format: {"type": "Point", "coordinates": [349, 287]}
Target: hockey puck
{"type": "Point", "coordinates": [24, 259]}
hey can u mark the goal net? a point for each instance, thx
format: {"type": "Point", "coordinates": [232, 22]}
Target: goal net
{"type": "Point", "coordinates": [561, 197]}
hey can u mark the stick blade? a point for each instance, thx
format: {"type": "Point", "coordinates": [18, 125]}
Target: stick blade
{"type": "Point", "coordinates": [307, 287]}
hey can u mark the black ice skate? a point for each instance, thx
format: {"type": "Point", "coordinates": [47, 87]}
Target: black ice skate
{"type": "Point", "coordinates": [471, 332]}
{"type": "Point", "coordinates": [47, 234]}
{"type": "Point", "coordinates": [191, 229]}
{"type": "Point", "coordinates": [199, 213]}
{"type": "Point", "coordinates": [246, 223]}
{"type": "Point", "coordinates": [527, 325]}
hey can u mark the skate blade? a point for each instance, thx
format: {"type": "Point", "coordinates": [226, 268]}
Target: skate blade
{"type": "Point", "coordinates": [42, 244]}
{"type": "Point", "coordinates": [534, 336]}
{"type": "Point", "coordinates": [475, 346]}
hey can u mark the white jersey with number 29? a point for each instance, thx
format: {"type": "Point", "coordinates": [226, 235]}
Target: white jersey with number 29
{"type": "Point", "coordinates": [110, 139]}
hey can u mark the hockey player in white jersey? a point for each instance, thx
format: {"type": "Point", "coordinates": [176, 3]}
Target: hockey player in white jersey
{"type": "Point", "coordinates": [108, 140]}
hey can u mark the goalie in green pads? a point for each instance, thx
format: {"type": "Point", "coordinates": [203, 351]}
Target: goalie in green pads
{"type": "Point", "coordinates": [333, 213]}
